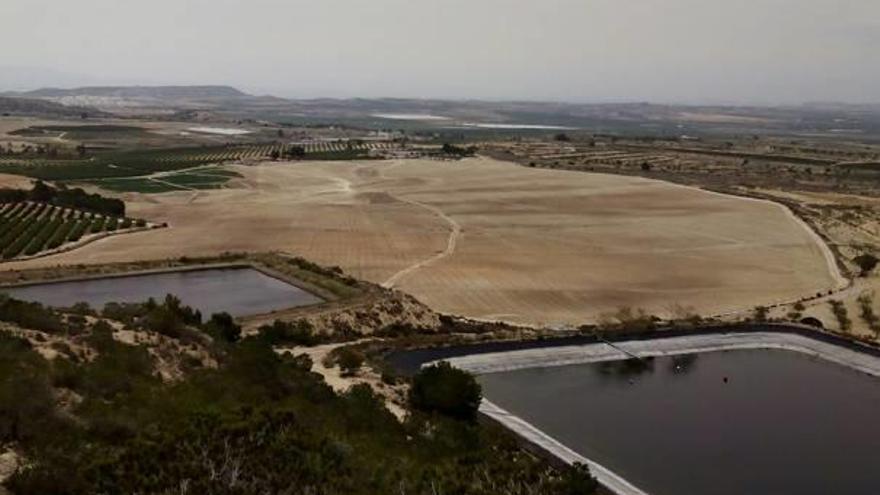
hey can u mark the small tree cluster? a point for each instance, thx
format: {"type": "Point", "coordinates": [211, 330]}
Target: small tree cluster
{"type": "Point", "coordinates": [299, 332]}
{"type": "Point", "coordinates": [839, 311]}
{"type": "Point", "coordinates": [170, 318]}
{"type": "Point", "coordinates": [761, 313]}
{"type": "Point", "coordinates": [30, 315]}
{"type": "Point", "coordinates": [451, 149]}
{"type": "Point", "coordinates": [797, 311]}
{"type": "Point", "coordinates": [350, 360]}
{"type": "Point", "coordinates": [866, 307]}
{"type": "Point", "coordinates": [222, 327]}
{"type": "Point", "coordinates": [447, 390]}
{"type": "Point", "coordinates": [866, 263]}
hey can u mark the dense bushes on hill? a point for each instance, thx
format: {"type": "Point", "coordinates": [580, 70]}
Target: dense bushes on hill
{"type": "Point", "coordinates": [260, 423]}
{"type": "Point", "coordinates": [299, 332]}
{"type": "Point", "coordinates": [27, 408]}
{"type": "Point", "coordinates": [222, 327]}
{"type": "Point", "coordinates": [30, 315]}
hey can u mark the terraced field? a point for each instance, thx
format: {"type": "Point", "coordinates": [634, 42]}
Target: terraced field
{"type": "Point", "coordinates": [29, 229]}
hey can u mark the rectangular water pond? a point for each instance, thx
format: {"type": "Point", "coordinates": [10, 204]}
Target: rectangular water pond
{"type": "Point", "coordinates": [238, 291]}
{"type": "Point", "coordinates": [781, 423]}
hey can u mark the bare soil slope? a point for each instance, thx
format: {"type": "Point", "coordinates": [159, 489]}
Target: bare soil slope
{"type": "Point", "coordinates": [14, 182]}
{"type": "Point", "coordinates": [493, 240]}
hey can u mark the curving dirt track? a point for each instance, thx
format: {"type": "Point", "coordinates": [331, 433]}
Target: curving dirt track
{"type": "Point", "coordinates": [454, 233]}
{"type": "Point", "coordinates": [493, 240]}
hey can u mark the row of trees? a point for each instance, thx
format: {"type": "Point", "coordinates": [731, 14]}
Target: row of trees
{"type": "Point", "coordinates": [29, 228]}
{"type": "Point", "coordinates": [459, 151]}
{"type": "Point", "coordinates": [75, 198]}
{"type": "Point", "coordinates": [293, 152]}
{"type": "Point", "coordinates": [49, 151]}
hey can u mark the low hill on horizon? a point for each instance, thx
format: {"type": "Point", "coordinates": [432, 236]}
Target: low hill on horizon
{"type": "Point", "coordinates": [229, 103]}
{"type": "Point", "coordinates": [13, 105]}
{"type": "Point", "coordinates": [158, 92]}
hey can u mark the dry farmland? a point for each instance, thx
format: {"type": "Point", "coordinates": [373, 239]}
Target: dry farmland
{"type": "Point", "coordinates": [490, 239]}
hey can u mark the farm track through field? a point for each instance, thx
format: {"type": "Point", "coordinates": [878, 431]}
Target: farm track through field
{"type": "Point", "coordinates": [542, 247]}
{"type": "Point", "coordinates": [454, 234]}
{"type": "Point", "coordinates": [451, 243]}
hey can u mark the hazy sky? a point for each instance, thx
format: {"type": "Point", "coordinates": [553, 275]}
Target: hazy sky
{"type": "Point", "coordinates": [730, 51]}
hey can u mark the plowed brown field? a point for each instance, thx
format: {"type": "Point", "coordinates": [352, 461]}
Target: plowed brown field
{"type": "Point", "coordinates": [489, 239]}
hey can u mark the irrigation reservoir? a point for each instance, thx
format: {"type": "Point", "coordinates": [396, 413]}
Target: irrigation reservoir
{"type": "Point", "coordinates": [721, 413]}
{"type": "Point", "coordinates": [238, 291]}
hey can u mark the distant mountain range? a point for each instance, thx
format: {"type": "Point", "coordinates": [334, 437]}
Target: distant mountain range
{"type": "Point", "coordinates": [155, 92]}
{"type": "Point", "coordinates": [37, 107]}
{"type": "Point", "coordinates": [228, 103]}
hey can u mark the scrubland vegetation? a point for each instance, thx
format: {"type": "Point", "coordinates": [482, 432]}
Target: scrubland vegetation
{"type": "Point", "coordinates": [866, 312]}
{"type": "Point", "coordinates": [257, 422]}
{"type": "Point", "coordinates": [841, 314]}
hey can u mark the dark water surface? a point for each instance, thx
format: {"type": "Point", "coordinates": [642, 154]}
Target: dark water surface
{"type": "Point", "coordinates": [238, 291]}
{"type": "Point", "coordinates": [783, 423]}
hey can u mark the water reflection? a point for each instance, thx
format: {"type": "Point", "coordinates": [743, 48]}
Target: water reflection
{"type": "Point", "coordinates": [237, 291]}
{"type": "Point", "coordinates": [629, 369]}
{"type": "Point", "coordinates": [626, 369]}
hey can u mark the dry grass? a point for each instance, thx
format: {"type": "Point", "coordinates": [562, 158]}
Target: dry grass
{"type": "Point", "coordinates": [14, 182]}
{"type": "Point", "coordinates": [535, 246]}
{"type": "Point", "coordinates": [850, 223]}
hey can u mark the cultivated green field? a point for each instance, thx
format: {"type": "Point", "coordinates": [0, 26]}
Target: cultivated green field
{"type": "Point", "coordinates": [210, 177]}
{"type": "Point", "coordinates": [139, 185]}
{"type": "Point", "coordinates": [28, 228]}
{"type": "Point", "coordinates": [128, 163]}
{"type": "Point", "coordinates": [132, 170]}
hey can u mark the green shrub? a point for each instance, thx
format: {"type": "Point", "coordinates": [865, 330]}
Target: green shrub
{"type": "Point", "coordinates": [577, 480]}
{"type": "Point", "coordinates": [30, 315]}
{"type": "Point", "coordinates": [840, 312]}
{"type": "Point", "coordinates": [349, 360]}
{"type": "Point", "coordinates": [447, 390]}
{"type": "Point", "coordinates": [222, 327]}
{"type": "Point", "coordinates": [866, 262]}
{"type": "Point", "coordinates": [26, 402]}
{"type": "Point", "coordinates": [299, 332]}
